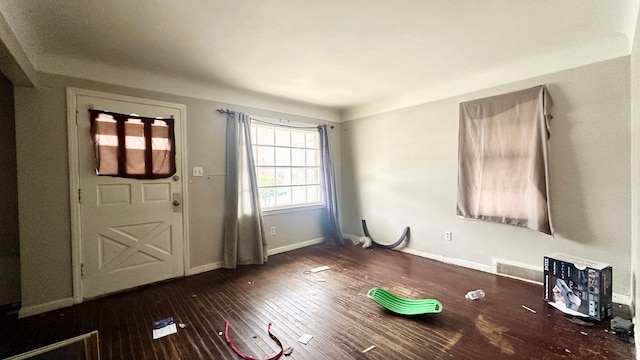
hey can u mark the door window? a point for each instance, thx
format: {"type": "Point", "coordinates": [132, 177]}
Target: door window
{"type": "Point", "coordinates": [133, 146]}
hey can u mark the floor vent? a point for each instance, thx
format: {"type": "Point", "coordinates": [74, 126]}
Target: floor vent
{"type": "Point", "coordinates": [519, 271]}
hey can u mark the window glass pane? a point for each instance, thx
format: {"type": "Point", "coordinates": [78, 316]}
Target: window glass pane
{"type": "Point", "coordinates": [298, 157]}
{"type": "Point", "coordinates": [298, 176]}
{"type": "Point", "coordinates": [298, 194]}
{"type": "Point", "coordinates": [283, 156]}
{"type": "Point", "coordinates": [313, 175]}
{"type": "Point", "coordinates": [297, 138]}
{"type": "Point", "coordinates": [264, 156]}
{"type": "Point", "coordinates": [267, 197]}
{"type": "Point", "coordinates": [266, 176]}
{"type": "Point", "coordinates": [283, 176]}
{"type": "Point", "coordinates": [312, 158]}
{"type": "Point", "coordinates": [264, 135]}
{"type": "Point", "coordinates": [283, 137]}
{"type": "Point", "coordinates": [313, 193]}
{"type": "Point", "coordinates": [283, 196]}
{"type": "Point", "coordinates": [312, 140]}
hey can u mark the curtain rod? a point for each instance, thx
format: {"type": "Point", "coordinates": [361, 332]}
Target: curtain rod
{"type": "Point", "coordinates": [229, 112]}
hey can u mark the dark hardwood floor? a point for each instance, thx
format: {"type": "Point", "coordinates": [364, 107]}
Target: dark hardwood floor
{"type": "Point", "coordinates": [342, 320]}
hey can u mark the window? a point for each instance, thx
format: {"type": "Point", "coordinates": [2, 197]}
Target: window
{"type": "Point", "coordinates": [133, 146]}
{"type": "Point", "coordinates": [287, 165]}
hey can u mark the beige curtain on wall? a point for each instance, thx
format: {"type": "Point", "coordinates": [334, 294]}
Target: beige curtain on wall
{"type": "Point", "coordinates": [244, 237]}
{"type": "Point", "coordinates": [502, 159]}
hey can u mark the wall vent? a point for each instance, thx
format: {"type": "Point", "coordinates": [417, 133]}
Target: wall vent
{"type": "Point", "coordinates": [519, 271]}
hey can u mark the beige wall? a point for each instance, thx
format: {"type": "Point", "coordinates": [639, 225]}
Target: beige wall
{"type": "Point", "coordinates": [43, 184]}
{"type": "Point", "coordinates": [400, 169]}
{"type": "Point", "coordinates": [9, 242]}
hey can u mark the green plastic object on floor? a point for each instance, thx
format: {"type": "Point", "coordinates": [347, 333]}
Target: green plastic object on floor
{"type": "Point", "coordinates": [404, 306]}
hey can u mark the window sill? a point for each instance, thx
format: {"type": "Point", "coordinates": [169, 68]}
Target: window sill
{"type": "Point", "coordinates": [285, 210]}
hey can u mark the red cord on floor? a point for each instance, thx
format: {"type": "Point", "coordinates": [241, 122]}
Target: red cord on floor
{"type": "Point", "coordinates": [247, 357]}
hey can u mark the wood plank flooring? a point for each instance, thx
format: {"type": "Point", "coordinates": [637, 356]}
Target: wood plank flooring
{"type": "Point", "coordinates": [336, 311]}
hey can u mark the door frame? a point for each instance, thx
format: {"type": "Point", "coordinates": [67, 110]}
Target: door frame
{"type": "Point", "coordinates": [74, 177]}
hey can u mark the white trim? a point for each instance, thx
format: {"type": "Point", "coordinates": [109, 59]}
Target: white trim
{"type": "Point", "coordinates": [43, 308]}
{"type": "Point", "coordinates": [621, 299]}
{"type": "Point", "coordinates": [295, 246]}
{"type": "Point", "coordinates": [74, 185]}
{"type": "Point", "coordinates": [74, 180]}
{"type": "Point", "coordinates": [449, 260]}
{"type": "Point", "coordinates": [204, 268]}
{"type": "Point", "coordinates": [218, 265]}
{"type": "Point", "coordinates": [616, 298]}
{"type": "Point", "coordinates": [291, 209]}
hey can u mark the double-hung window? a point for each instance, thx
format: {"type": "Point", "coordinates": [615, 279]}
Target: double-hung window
{"type": "Point", "coordinates": [287, 161]}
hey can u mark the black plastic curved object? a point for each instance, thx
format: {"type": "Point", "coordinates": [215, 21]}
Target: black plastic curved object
{"type": "Point", "coordinates": [383, 246]}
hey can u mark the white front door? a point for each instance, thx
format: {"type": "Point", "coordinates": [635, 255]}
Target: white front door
{"type": "Point", "coordinates": [131, 231]}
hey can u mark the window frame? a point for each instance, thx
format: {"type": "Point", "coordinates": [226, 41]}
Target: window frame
{"type": "Point", "coordinates": [258, 142]}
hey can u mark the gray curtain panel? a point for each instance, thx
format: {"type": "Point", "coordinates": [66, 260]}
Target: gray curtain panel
{"type": "Point", "coordinates": [328, 183]}
{"type": "Point", "coordinates": [503, 159]}
{"type": "Point", "coordinates": [244, 236]}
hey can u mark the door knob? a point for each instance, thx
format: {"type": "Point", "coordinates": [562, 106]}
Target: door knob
{"type": "Point", "coordinates": [176, 203]}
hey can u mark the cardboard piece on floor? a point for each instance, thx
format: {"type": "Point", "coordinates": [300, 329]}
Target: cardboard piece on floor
{"type": "Point", "coordinates": [320, 268]}
{"type": "Point", "coordinates": [304, 339]}
{"type": "Point", "coordinates": [164, 327]}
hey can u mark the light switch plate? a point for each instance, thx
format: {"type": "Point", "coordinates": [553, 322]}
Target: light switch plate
{"type": "Point", "coordinates": [198, 171]}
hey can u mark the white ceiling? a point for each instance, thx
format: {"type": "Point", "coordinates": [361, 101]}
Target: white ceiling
{"type": "Point", "coordinates": [357, 56]}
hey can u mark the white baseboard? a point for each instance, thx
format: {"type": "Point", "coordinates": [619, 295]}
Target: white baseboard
{"type": "Point", "coordinates": [616, 298]}
{"type": "Point", "coordinates": [295, 246]}
{"type": "Point", "coordinates": [449, 260]}
{"type": "Point", "coordinates": [218, 265]}
{"type": "Point", "coordinates": [204, 268]}
{"type": "Point", "coordinates": [621, 299]}
{"type": "Point", "coordinates": [43, 308]}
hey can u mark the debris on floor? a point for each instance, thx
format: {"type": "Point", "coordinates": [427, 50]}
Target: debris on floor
{"type": "Point", "coordinates": [622, 329]}
{"type": "Point", "coordinates": [320, 268]}
{"type": "Point", "coordinates": [305, 338]}
{"type": "Point", "coordinates": [368, 349]}
{"type": "Point", "coordinates": [182, 326]}
{"type": "Point", "coordinates": [530, 309]}
{"type": "Point", "coordinates": [288, 351]}
{"type": "Point", "coordinates": [475, 294]}
{"type": "Point", "coordinates": [241, 354]}
{"type": "Point", "coordinates": [164, 327]}
{"type": "Point", "coordinates": [620, 325]}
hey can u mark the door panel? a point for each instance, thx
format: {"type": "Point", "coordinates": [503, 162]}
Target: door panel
{"type": "Point", "coordinates": [131, 231]}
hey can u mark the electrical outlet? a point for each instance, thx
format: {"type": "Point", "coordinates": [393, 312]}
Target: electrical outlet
{"type": "Point", "coordinates": [273, 230]}
{"type": "Point", "coordinates": [447, 235]}
{"type": "Point", "coordinates": [198, 171]}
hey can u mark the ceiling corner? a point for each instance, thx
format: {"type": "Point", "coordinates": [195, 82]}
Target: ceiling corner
{"type": "Point", "coordinates": [14, 62]}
